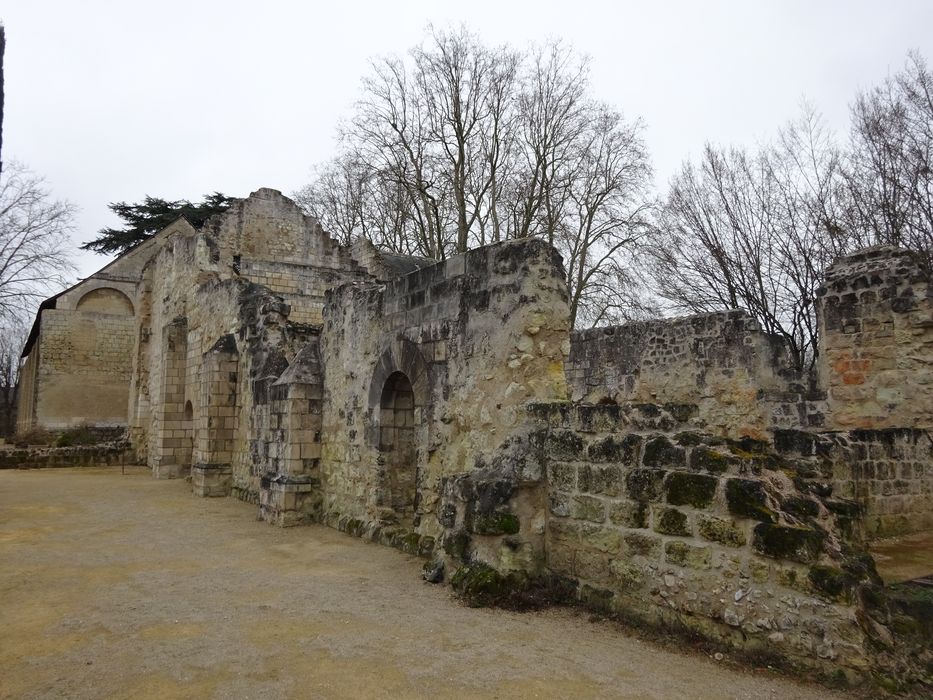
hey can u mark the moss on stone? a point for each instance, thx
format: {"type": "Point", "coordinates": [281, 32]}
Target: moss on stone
{"type": "Point", "coordinates": [426, 546]}
{"type": "Point", "coordinates": [457, 545]}
{"type": "Point", "coordinates": [915, 604]}
{"type": "Point", "coordinates": [496, 523]}
{"type": "Point", "coordinates": [411, 543]}
{"type": "Point", "coordinates": [684, 489]}
{"type": "Point", "coordinates": [642, 544]}
{"type": "Point", "coordinates": [661, 452]}
{"type": "Point", "coordinates": [628, 576]}
{"type": "Point", "coordinates": [562, 476]}
{"type": "Point", "coordinates": [672, 522]}
{"type": "Point", "coordinates": [602, 539]}
{"type": "Point", "coordinates": [611, 449]}
{"type": "Point", "coordinates": [786, 542]}
{"type": "Point", "coordinates": [480, 585]}
{"type": "Point", "coordinates": [563, 445]}
{"type": "Point", "coordinates": [689, 438]}
{"type": "Point", "coordinates": [721, 531]}
{"type": "Point", "coordinates": [606, 480]}
{"type": "Point", "coordinates": [588, 508]}
{"type": "Point", "coordinates": [705, 459]}
{"type": "Point", "coordinates": [831, 582]}
{"type": "Point", "coordinates": [645, 484]}
{"type": "Point", "coordinates": [629, 514]}
{"type": "Point", "coordinates": [683, 554]}
{"type": "Point", "coordinates": [801, 507]}
{"type": "Point", "coordinates": [747, 498]}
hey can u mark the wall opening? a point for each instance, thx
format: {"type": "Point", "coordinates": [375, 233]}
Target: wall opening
{"type": "Point", "coordinates": [188, 427]}
{"type": "Point", "coordinates": [398, 458]}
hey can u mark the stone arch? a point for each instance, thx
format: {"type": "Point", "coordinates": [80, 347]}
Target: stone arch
{"type": "Point", "coordinates": [106, 300]}
{"type": "Point", "coordinates": [397, 454]}
{"type": "Point", "coordinates": [188, 428]}
{"type": "Point", "coordinates": [398, 397]}
{"type": "Point", "coordinates": [401, 356]}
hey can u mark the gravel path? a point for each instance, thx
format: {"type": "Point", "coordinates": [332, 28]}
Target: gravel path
{"type": "Point", "coordinates": [125, 587]}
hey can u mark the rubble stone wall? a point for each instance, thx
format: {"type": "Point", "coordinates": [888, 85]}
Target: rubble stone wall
{"type": "Point", "coordinates": [741, 379]}
{"type": "Point", "coordinates": [653, 518]}
{"type": "Point", "coordinates": [876, 323]}
{"type": "Point", "coordinates": [889, 472]}
{"type": "Point", "coordinates": [476, 337]}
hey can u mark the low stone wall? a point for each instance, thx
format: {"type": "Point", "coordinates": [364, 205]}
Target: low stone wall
{"type": "Point", "coordinates": [654, 519]}
{"type": "Point", "coordinates": [889, 472]}
{"type": "Point", "coordinates": [42, 457]}
{"type": "Point", "coordinates": [741, 379]}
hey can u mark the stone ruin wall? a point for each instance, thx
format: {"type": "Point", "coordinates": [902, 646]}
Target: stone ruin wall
{"type": "Point", "coordinates": [695, 479]}
{"type": "Point", "coordinates": [870, 395]}
{"type": "Point", "coordinates": [654, 518]}
{"type": "Point", "coordinates": [269, 241]}
{"type": "Point", "coordinates": [206, 286]}
{"type": "Point", "coordinates": [877, 342]}
{"type": "Point", "coordinates": [741, 380]}
{"type": "Point", "coordinates": [478, 336]}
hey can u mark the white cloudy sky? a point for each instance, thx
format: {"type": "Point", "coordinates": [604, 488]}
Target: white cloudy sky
{"type": "Point", "coordinates": [112, 100]}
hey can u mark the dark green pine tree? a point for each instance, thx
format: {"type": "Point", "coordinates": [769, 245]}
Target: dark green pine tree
{"type": "Point", "coordinates": [145, 219]}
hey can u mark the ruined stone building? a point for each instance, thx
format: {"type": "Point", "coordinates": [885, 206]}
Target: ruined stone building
{"type": "Point", "coordinates": [677, 471]}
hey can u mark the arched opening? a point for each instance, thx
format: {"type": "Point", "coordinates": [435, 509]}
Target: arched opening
{"type": "Point", "coordinates": [397, 449]}
{"type": "Point", "coordinates": [106, 300]}
{"type": "Point", "coordinates": [188, 427]}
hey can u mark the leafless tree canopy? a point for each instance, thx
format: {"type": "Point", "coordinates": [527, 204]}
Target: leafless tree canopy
{"type": "Point", "coordinates": [460, 144]}
{"type": "Point", "coordinates": [755, 230]}
{"type": "Point", "coordinates": [12, 338]}
{"type": "Point", "coordinates": [890, 165]}
{"type": "Point", "coordinates": [34, 233]}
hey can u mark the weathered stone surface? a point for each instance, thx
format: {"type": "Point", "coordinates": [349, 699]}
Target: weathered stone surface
{"type": "Point", "coordinates": [670, 521]}
{"type": "Point", "coordinates": [425, 406]}
{"type": "Point", "coordinates": [645, 484]}
{"type": "Point", "coordinates": [688, 555]}
{"type": "Point", "coordinates": [748, 498]}
{"type": "Point", "coordinates": [684, 489]}
{"type": "Point", "coordinates": [788, 542]}
{"type": "Point", "coordinates": [720, 530]}
{"type": "Point", "coordinates": [660, 453]}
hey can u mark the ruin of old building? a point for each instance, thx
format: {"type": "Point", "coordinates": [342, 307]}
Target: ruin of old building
{"type": "Point", "coordinates": [678, 471]}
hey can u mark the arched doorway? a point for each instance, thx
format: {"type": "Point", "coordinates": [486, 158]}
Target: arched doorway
{"type": "Point", "coordinates": [397, 449]}
{"type": "Point", "coordinates": [188, 427]}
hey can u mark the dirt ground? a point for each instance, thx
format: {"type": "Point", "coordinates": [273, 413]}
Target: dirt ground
{"type": "Point", "coordinates": [904, 558]}
{"type": "Point", "coordinates": [125, 587]}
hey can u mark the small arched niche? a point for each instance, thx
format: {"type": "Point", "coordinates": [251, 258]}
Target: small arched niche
{"type": "Point", "coordinates": [397, 448]}
{"type": "Point", "coordinates": [106, 300]}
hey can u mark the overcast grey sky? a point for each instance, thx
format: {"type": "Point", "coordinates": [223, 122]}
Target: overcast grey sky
{"type": "Point", "coordinates": [113, 100]}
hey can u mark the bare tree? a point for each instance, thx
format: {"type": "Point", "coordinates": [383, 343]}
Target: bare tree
{"type": "Point", "coordinates": [464, 144]}
{"type": "Point", "coordinates": [337, 197]}
{"type": "Point", "coordinates": [551, 106]}
{"type": "Point", "coordinates": [755, 231]}
{"type": "Point", "coordinates": [34, 239]}
{"type": "Point", "coordinates": [12, 339]}
{"type": "Point", "coordinates": [605, 213]}
{"type": "Point", "coordinates": [890, 165]}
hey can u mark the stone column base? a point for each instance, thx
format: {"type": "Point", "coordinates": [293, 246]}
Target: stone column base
{"type": "Point", "coordinates": [171, 471]}
{"type": "Point", "coordinates": [210, 480]}
{"type": "Point", "coordinates": [288, 500]}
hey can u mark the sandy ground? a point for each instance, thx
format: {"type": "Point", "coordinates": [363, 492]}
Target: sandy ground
{"type": "Point", "coordinates": [125, 587]}
{"type": "Point", "coordinates": [904, 558]}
